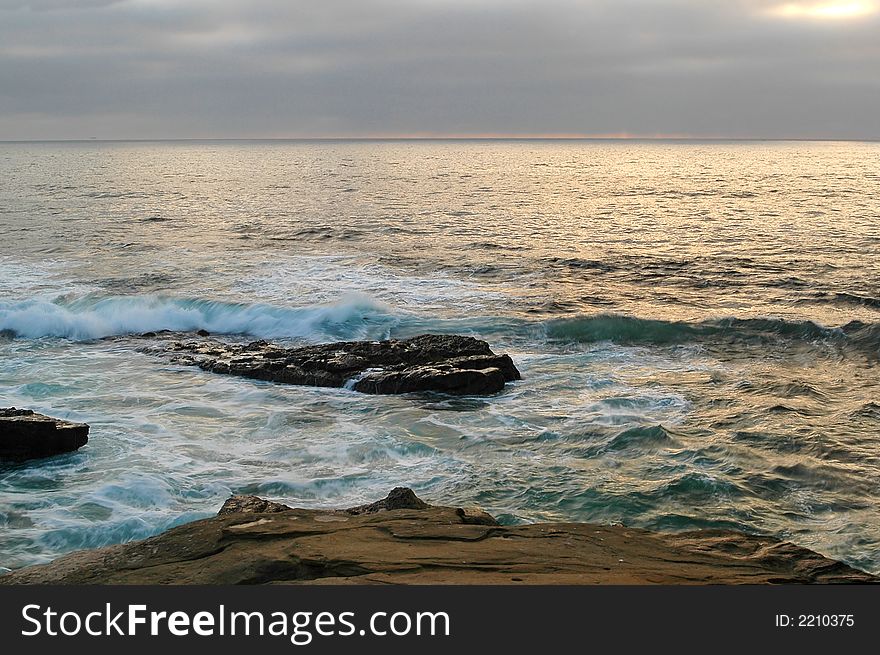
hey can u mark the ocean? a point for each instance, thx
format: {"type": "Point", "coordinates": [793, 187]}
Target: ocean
{"type": "Point", "coordinates": [697, 325]}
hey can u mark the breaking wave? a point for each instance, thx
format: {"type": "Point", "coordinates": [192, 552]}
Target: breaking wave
{"type": "Point", "coordinates": [93, 317]}
{"type": "Point", "coordinates": [359, 317]}
{"type": "Point", "coordinates": [633, 330]}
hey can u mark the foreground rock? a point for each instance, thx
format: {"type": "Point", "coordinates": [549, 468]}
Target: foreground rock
{"type": "Point", "coordinates": [24, 435]}
{"type": "Point", "coordinates": [402, 540]}
{"type": "Point", "coordinates": [431, 362]}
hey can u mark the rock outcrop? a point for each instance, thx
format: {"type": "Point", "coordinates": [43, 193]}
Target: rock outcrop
{"type": "Point", "coordinates": [432, 362]}
{"type": "Point", "coordinates": [399, 498]}
{"type": "Point", "coordinates": [403, 540]}
{"type": "Point", "coordinates": [24, 435]}
{"type": "Point", "coordinates": [251, 505]}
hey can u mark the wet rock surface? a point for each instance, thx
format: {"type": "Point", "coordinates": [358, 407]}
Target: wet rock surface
{"type": "Point", "coordinates": [25, 434]}
{"type": "Point", "coordinates": [450, 364]}
{"type": "Point", "coordinates": [403, 540]}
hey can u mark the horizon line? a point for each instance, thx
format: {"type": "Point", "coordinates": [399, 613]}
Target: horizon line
{"type": "Point", "coordinates": [486, 137]}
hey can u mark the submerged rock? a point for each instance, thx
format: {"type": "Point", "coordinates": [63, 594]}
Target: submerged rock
{"type": "Point", "coordinates": [432, 362]}
{"type": "Point", "coordinates": [401, 539]}
{"type": "Point", "coordinates": [24, 435]}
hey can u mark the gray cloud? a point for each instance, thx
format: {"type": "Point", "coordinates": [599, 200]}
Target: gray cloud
{"type": "Point", "coordinates": [267, 68]}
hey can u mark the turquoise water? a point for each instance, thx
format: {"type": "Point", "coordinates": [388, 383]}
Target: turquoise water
{"type": "Point", "coordinates": [697, 324]}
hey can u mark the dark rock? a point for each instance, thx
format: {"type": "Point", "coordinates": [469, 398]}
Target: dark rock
{"type": "Point", "coordinates": [24, 435]}
{"type": "Point", "coordinates": [203, 333]}
{"type": "Point", "coordinates": [443, 363]}
{"type": "Point", "coordinates": [250, 505]}
{"type": "Point", "coordinates": [403, 540]}
{"type": "Point", "coordinates": [466, 376]}
{"type": "Point", "coordinates": [149, 335]}
{"type": "Point", "coordinates": [398, 498]}
{"type": "Point", "coordinates": [9, 412]}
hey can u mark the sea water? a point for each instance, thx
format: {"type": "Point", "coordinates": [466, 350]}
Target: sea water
{"type": "Point", "coordinates": [697, 326]}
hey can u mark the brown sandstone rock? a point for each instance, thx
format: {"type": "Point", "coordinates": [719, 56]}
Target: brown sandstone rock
{"type": "Point", "coordinates": [431, 545]}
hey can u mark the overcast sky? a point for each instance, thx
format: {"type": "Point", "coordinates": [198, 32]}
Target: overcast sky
{"type": "Point", "coordinates": [291, 68]}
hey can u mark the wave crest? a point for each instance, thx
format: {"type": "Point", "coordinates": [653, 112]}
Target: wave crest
{"type": "Point", "coordinates": [93, 317]}
{"type": "Point", "coordinates": [627, 329]}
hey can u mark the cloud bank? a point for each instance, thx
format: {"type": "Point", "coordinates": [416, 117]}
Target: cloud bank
{"type": "Point", "coordinates": [347, 68]}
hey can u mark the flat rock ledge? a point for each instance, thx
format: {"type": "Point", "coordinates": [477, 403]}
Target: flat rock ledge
{"type": "Point", "coordinates": [449, 364]}
{"type": "Point", "coordinates": [403, 540]}
{"type": "Point", "coordinates": [25, 435]}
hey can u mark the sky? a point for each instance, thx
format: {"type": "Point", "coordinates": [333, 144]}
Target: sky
{"type": "Point", "coordinates": [147, 69]}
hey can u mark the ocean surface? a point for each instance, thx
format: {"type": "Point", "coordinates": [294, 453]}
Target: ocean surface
{"type": "Point", "coordinates": [697, 325]}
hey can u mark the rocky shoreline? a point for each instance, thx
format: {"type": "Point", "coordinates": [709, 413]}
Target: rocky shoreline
{"type": "Point", "coordinates": [403, 540]}
{"type": "Point", "coordinates": [400, 539]}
